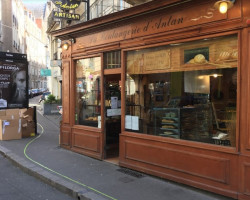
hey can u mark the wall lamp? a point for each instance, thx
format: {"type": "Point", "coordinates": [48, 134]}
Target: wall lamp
{"type": "Point", "coordinates": [224, 5]}
{"type": "Point", "coordinates": [65, 46]}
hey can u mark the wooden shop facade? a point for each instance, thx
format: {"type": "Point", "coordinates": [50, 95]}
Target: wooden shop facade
{"type": "Point", "coordinates": [163, 88]}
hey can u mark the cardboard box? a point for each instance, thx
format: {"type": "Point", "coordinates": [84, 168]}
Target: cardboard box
{"type": "Point", "coordinates": [14, 113]}
{"type": "Point", "coordinates": [10, 129]}
{"type": "Point", "coordinates": [28, 114]}
{"type": "Point", "coordinates": [21, 111]}
{"type": "Point", "coordinates": [28, 128]}
{"type": "Point", "coordinates": [2, 113]}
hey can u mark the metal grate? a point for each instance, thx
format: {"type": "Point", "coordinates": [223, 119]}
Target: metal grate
{"type": "Point", "coordinates": [131, 172]}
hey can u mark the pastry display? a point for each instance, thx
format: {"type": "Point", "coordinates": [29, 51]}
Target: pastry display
{"type": "Point", "coordinates": [234, 54]}
{"type": "Point", "coordinates": [228, 56]}
{"type": "Point", "coordinates": [224, 55]}
{"type": "Point", "coordinates": [167, 121]}
{"type": "Point", "coordinates": [92, 118]}
{"type": "Point", "coordinates": [168, 132]}
{"type": "Point", "coordinates": [168, 126]}
{"type": "Point", "coordinates": [198, 59]}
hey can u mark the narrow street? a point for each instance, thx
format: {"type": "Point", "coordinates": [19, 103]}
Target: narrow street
{"type": "Point", "coordinates": [18, 185]}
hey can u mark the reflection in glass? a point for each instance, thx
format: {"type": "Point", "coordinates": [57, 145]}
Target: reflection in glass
{"type": "Point", "coordinates": [190, 94]}
{"type": "Point", "coordinates": [88, 92]}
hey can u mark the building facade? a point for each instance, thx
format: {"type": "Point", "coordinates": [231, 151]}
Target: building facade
{"type": "Point", "coordinates": [35, 50]}
{"type": "Point", "coordinates": [20, 33]}
{"type": "Point", "coordinates": [6, 38]}
{"type": "Point", "coordinates": [164, 90]}
{"type": "Point", "coordinates": [97, 9]}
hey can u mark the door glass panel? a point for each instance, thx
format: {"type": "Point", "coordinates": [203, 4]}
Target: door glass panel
{"type": "Point", "coordinates": [112, 115]}
{"type": "Point", "coordinates": [88, 92]}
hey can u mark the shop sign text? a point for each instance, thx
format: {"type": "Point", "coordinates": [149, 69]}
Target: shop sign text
{"type": "Point", "coordinates": [63, 15]}
{"type": "Point", "coordinates": [67, 4]}
{"type": "Point", "coordinates": [153, 25]}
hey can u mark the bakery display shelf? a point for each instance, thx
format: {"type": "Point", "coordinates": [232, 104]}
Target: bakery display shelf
{"type": "Point", "coordinates": [171, 118]}
{"type": "Point", "coordinates": [225, 120]}
{"type": "Point", "coordinates": [170, 123]}
{"type": "Point", "coordinates": [170, 129]}
{"type": "Point", "coordinates": [171, 136]}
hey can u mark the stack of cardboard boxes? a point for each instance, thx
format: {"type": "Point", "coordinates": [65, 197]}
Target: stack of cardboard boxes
{"type": "Point", "coordinates": [17, 123]}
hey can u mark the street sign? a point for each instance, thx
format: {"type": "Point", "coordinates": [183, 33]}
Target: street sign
{"type": "Point", "coordinates": [45, 72]}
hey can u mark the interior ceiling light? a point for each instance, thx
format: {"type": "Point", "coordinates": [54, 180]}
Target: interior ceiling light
{"type": "Point", "coordinates": [224, 5]}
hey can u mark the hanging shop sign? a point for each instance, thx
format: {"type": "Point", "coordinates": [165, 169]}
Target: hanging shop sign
{"type": "Point", "coordinates": [64, 15]}
{"type": "Point", "coordinates": [67, 4]}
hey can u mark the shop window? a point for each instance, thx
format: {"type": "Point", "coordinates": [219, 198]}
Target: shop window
{"type": "Point", "coordinates": [88, 92]}
{"type": "Point", "coordinates": [184, 91]}
{"type": "Point", "coordinates": [112, 60]}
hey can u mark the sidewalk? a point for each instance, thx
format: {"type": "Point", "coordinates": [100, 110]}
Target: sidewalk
{"type": "Point", "coordinates": [86, 178]}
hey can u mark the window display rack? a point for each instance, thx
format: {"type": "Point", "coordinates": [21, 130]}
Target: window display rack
{"type": "Point", "coordinates": [167, 122]}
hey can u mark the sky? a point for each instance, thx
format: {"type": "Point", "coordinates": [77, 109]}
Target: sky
{"type": "Point", "coordinates": [36, 6]}
{"type": "Point", "coordinates": [34, 1]}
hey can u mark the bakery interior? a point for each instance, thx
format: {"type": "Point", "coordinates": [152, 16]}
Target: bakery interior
{"type": "Point", "coordinates": [185, 90]}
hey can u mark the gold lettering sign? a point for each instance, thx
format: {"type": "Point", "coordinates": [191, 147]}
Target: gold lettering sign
{"type": "Point", "coordinates": [153, 24]}
{"type": "Point", "coordinates": [157, 60]}
{"type": "Point", "coordinates": [144, 61]}
{"type": "Point", "coordinates": [67, 4]}
{"type": "Point", "coordinates": [63, 15]}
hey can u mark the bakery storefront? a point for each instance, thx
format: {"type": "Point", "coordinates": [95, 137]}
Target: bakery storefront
{"type": "Point", "coordinates": [163, 88]}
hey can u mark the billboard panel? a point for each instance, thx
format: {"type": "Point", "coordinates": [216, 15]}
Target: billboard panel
{"type": "Point", "coordinates": [13, 83]}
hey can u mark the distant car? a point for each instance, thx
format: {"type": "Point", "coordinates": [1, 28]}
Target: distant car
{"type": "Point", "coordinates": [44, 96]}
{"type": "Point", "coordinates": [35, 92]}
{"type": "Point", "coordinates": [30, 94]}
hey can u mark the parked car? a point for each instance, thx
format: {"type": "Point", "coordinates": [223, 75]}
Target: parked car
{"type": "Point", "coordinates": [35, 92]}
{"type": "Point", "coordinates": [30, 94]}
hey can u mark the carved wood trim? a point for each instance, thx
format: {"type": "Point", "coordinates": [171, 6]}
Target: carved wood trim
{"type": "Point", "coordinates": [223, 163]}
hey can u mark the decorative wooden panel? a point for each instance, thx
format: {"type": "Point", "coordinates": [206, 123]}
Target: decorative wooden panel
{"type": "Point", "coordinates": [87, 142]}
{"type": "Point", "coordinates": [207, 169]}
{"type": "Point", "coordinates": [247, 63]}
{"type": "Point", "coordinates": [244, 181]}
{"type": "Point", "coordinates": [65, 136]}
{"type": "Point", "coordinates": [210, 167]}
{"type": "Point", "coordinates": [66, 91]}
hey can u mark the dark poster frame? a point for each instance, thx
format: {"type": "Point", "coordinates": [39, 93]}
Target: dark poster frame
{"type": "Point", "coordinates": [13, 81]}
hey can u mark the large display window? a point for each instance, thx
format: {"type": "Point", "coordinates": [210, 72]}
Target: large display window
{"type": "Point", "coordinates": [88, 92]}
{"type": "Point", "coordinates": [184, 90]}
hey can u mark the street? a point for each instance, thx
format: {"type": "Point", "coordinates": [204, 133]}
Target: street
{"type": "Point", "coordinates": [16, 184]}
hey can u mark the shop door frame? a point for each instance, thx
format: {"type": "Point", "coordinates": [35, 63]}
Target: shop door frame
{"type": "Point", "coordinates": [116, 77]}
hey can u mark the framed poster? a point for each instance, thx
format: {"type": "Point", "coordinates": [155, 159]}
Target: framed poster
{"type": "Point", "coordinates": [13, 83]}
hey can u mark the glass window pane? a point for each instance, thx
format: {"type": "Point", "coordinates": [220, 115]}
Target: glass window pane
{"type": "Point", "coordinates": [112, 60]}
{"type": "Point", "coordinates": [88, 92]}
{"type": "Point", "coordinates": [184, 91]}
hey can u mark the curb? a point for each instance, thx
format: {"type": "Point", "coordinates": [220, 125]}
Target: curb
{"type": "Point", "coordinates": [63, 185]}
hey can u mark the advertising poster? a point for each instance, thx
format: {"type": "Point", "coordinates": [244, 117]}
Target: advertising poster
{"type": "Point", "coordinates": [13, 83]}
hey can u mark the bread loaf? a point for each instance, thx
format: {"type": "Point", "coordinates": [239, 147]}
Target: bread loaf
{"type": "Point", "coordinates": [199, 58]}
{"type": "Point", "coordinates": [224, 55]}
